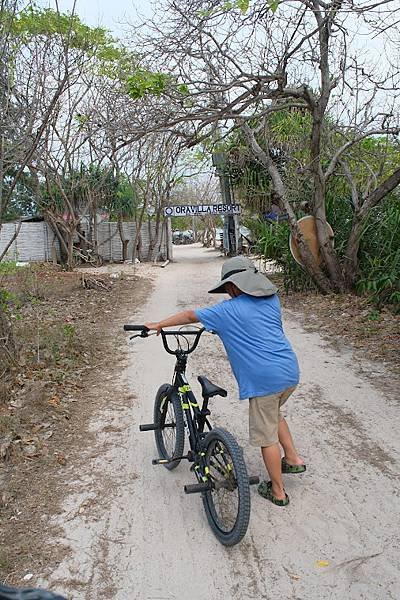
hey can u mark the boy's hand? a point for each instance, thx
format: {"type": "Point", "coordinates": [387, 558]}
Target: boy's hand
{"type": "Point", "coordinates": [154, 327]}
{"type": "Point", "coordinates": [183, 318]}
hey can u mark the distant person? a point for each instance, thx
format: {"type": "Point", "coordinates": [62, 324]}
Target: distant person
{"type": "Point", "coordinates": [262, 360]}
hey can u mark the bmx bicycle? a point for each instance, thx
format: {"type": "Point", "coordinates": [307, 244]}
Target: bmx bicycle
{"type": "Point", "coordinates": [216, 457]}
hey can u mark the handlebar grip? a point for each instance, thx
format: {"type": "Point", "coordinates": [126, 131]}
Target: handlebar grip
{"type": "Point", "coordinates": [136, 328]}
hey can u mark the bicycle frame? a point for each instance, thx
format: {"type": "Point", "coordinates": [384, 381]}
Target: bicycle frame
{"type": "Point", "coordinates": [194, 417]}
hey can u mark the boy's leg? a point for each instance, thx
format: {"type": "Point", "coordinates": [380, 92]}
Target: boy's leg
{"type": "Point", "coordinates": [263, 428]}
{"type": "Point", "coordinates": [286, 441]}
{"type": "Point", "coordinates": [272, 461]}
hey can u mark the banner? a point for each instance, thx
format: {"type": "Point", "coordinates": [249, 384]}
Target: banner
{"type": "Point", "coordinates": [201, 210]}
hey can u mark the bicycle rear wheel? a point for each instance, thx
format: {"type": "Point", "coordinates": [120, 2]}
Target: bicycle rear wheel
{"type": "Point", "coordinates": [170, 434]}
{"type": "Point", "coordinates": [227, 504]}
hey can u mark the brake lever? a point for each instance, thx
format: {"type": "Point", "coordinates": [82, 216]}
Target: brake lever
{"type": "Point", "coordinates": [143, 334]}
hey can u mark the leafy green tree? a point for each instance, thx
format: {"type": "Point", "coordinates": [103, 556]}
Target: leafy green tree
{"type": "Point", "coordinates": [242, 62]}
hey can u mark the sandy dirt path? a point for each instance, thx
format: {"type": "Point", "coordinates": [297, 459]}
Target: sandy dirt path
{"type": "Point", "coordinates": [147, 540]}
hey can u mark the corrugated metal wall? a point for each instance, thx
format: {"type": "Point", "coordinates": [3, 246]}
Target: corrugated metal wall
{"type": "Point", "coordinates": [36, 240]}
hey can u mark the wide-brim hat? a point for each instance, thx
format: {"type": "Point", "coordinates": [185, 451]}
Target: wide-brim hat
{"type": "Point", "coordinates": [243, 273]}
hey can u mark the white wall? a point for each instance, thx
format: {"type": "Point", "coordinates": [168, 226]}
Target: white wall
{"type": "Point", "coordinates": [36, 240]}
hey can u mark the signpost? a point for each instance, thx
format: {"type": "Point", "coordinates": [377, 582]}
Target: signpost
{"type": "Point", "coordinates": [231, 221]}
{"type": "Point", "coordinates": [228, 210]}
{"type": "Point", "coordinates": [200, 210]}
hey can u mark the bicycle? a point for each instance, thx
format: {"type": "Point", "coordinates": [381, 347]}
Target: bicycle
{"type": "Point", "coordinates": [217, 459]}
{"type": "Point", "coordinates": [89, 256]}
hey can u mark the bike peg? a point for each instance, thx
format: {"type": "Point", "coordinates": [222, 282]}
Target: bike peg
{"type": "Point", "coordinates": [196, 488]}
{"type": "Point", "coordinates": [149, 427]}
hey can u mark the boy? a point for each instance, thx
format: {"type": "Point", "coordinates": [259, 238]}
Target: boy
{"type": "Point", "coordinates": [262, 360]}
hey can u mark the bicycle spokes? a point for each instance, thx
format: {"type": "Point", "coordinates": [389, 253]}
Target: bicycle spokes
{"type": "Point", "coordinates": [224, 486]}
{"type": "Point", "coordinates": [168, 428]}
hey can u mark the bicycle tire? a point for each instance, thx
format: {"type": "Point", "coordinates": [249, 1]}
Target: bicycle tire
{"type": "Point", "coordinates": [168, 404]}
{"type": "Point", "coordinates": [238, 480]}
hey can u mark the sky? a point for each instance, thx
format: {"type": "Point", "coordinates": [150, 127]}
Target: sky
{"type": "Point", "coordinates": [108, 14]}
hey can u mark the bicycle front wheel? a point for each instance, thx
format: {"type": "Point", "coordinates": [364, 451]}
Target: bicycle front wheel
{"type": "Point", "coordinates": [170, 433]}
{"type": "Point", "coordinates": [227, 504]}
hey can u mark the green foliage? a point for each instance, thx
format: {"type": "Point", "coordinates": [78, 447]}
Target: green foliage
{"type": "Point", "coordinates": [112, 60]}
{"type": "Point", "coordinates": [374, 315]}
{"type": "Point", "coordinates": [228, 5]}
{"type": "Point", "coordinates": [8, 267]}
{"type": "Point", "coordinates": [273, 4]}
{"type": "Point", "coordinates": [69, 332]}
{"type": "Point", "coordinates": [91, 179]}
{"type": "Point", "coordinates": [243, 5]}
{"type": "Point", "coordinates": [288, 137]}
{"type": "Point", "coordinates": [10, 303]}
{"type": "Point", "coordinates": [125, 201]}
{"type": "Point", "coordinates": [273, 244]}
{"type": "Point", "coordinates": [183, 89]}
{"type": "Point", "coordinates": [5, 298]}
{"type": "Point", "coordinates": [46, 22]}
{"type": "Point", "coordinates": [379, 263]}
{"type": "Point", "coordinates": [380, 254]}
{"type": "Point", "coordinates": [180, 223]}
{"type": "Point", "coordinates": [144, 82]}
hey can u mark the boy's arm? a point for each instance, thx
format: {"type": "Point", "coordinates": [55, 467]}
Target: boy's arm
{"type": "Point", "coordinates": [183, 318]}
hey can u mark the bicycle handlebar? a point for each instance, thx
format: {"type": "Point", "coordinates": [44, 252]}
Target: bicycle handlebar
{"type": "Point", "coordinates": [142, 328]}
{"type": "Point", "coordinates": [183, 332]}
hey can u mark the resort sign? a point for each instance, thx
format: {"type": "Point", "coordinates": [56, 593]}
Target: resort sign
{"type": "Point", "coordinates": [201, 210]}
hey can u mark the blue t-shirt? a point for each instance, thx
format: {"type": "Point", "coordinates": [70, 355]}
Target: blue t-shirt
{"type": "Point", "coordinates": [260, 355]}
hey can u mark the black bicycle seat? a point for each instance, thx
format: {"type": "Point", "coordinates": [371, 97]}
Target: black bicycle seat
{"type": "Point", "coordinates": [209, 389]}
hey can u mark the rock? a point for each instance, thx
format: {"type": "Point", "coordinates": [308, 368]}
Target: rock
{"type": "Point", "coordinates": [30, 450]}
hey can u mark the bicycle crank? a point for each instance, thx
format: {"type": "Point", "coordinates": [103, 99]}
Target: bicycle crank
{"type": "Point", "coordinates": [167, 461]}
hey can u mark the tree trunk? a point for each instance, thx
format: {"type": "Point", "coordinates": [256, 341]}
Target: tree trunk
{"type": "Point", "coordinates": [124, 240]}
{"type": "Point", "coordinates": [353, 244]}
{"type": "Point", "coordinates": [70, 245]}
{"type": "Point", "coordinates": [308, 260]}
{"type": "Point", "coordinates": [327, 250]}
{"type": "Point", "coordinates": [13, 238]}
{"type": "Point", "coordinates": [136, 240]}
{"type": "Point", "coordinates": [324, 240]}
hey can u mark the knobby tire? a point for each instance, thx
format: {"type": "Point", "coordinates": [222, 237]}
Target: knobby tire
{"type": "Point", "coordinates": [240, 495]}
{"type": "Point", "coordinates": [168, 411]}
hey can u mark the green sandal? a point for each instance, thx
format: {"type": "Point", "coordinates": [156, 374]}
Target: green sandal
{"type": "Point", "coordinates": [265, 490]}
{"type": "Point", "coordinates": [286, 468]}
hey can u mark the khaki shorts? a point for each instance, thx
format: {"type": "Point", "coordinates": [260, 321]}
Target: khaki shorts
{"type": "Point", "coordinates": [264, 417]}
